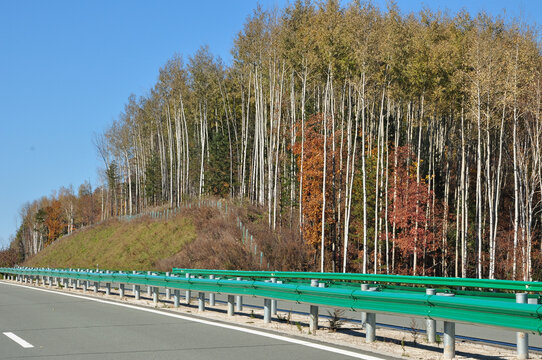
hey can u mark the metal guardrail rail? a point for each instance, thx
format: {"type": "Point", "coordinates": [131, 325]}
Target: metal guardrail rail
{"type": "Point", "coordinates": [523, 317]}
{"type": "Point", "coordinates": [531, 286]}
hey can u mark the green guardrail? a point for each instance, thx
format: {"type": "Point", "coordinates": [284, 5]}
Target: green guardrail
{"type": "Point", "coordinates": [522, 317]}
{"type": "Point", "coordinates": [531, 286]}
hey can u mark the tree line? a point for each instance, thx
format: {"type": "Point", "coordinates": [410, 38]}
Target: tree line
{"type": "Point", "coordinates": [392, 143]}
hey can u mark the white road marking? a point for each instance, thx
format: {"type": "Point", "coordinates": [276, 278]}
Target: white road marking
{"type": "Point", "coordinates": [18, 340]}
{"type": "Point", "coordinates": [211, 323]}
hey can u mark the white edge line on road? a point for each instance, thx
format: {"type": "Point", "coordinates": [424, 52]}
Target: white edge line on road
{"type": "Point", "coordinates": [18, 340]}
{"type": "Point", "coordinates": [211, 323]}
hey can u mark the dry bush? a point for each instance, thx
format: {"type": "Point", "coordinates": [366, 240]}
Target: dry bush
{"type": "Point", "coordinates": [9, 257]}
{"type": "Point", "coordinates": [218, 244]}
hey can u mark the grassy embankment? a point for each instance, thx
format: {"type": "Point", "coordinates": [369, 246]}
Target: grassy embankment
{"type": "Point", "coordinates": [197, 237]}
{"type": "Point", "coordinates": [120, 245]}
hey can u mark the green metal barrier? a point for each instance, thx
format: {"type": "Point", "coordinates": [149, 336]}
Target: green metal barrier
{"type": "Point", "coordinates": [483, 311]}
{"type": "Point", "coordinates": [532, 286]}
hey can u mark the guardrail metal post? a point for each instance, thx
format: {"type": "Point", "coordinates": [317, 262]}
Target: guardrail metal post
{"type": "Point", "coordinates": [133, 286]}
{"type": "Point", "coordinates": [96, 287]}
{"type": "Point", "coordinates": [74, 284]}
{"type": "Point", "coordinates": [273, 301]}
{"type": "Point", "coordinates": [107, 288]}
{"type": "Point", "coordinates": [431, 325]}
{"type": "Point", "coordinates": [168, 290]}
{"type": "Point", "coordinates": [239, 299]}
{"type": "Point", "coordinates": [137, 292]}
{"type": "Point", "coordinates": [121, 290]}
{"type": "Point", "coordinates": [449, 335]}
{"type": "Point", "coordinates": [370, 324]}
{"type": "Point", "coordinates": [149, 288]}
{"type": "Point", "coordinates": [201, 301]}
{"type": "Point", "coordinates": [211, 295]}
{"type": "Point", "coordinates": [176, 296]}
{"type": "Point", "coordinates": [188, 292]}
{"type": "Point", "coordinates": [522, 338]}
{"type": "Point", "coordinates": [364, 287]}
{"type": "Point", "coordinates": [266, 311]}
{"type": "Point", "coordinates": [449, 340]}
{"type": "Point", "coordinates": [230, 305]}
{"type": "Point", "coordinates": [155, 295]}
{"type": "Point", "coordinates": [313, 312]}
{"type": "Point", "coordinates": [85, 284]}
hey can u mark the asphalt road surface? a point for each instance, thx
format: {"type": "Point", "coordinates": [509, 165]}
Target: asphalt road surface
{"type": "Point", "coordinates": [48, 325]}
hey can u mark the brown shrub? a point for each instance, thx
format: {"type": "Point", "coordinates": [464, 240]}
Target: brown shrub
{"type": "Point", "coordinates": [218, 244]}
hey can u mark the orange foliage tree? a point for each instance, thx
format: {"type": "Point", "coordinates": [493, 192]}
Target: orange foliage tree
{"type": "Point", "coordinates": [54, 220]}
{"type": "Point", "coordinates": [313, 174]}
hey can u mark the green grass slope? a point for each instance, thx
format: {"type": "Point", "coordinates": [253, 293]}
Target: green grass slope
{"type": "Point", "coordinates": [121, 245]}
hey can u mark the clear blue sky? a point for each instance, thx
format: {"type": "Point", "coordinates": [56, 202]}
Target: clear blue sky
{"type": "Point", "coordinates": [68, 67]}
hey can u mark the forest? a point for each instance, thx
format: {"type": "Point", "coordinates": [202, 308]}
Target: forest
{"type": "Point", "coordinates": [390, 142]}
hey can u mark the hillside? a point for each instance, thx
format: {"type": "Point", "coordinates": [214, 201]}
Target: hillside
{"type": "Point", "coordinates": [200, 237]}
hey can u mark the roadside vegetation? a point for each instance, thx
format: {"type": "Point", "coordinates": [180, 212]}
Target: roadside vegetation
{"type": "Point", "coordinates": [385, 142]}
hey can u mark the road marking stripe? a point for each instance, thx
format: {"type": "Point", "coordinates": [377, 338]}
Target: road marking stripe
{"type": "Point", "coordinates": [211, 323]}
{"type": "Point", "coordinates": [18, 340]}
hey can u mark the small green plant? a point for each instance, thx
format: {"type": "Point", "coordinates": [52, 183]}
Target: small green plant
{"type": "Point", "coordinates": [299, 327]}
{"type": "Point", "coordinates": [335, 320]}
{"type": "Point", "coordinates": [252, 314]}
{"type": "Point", "coordinates": [438, 340]}
{"type": "Point", "coordinates": [403, 346]}
{"type": "Point", "coordinates": [285, 318]}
